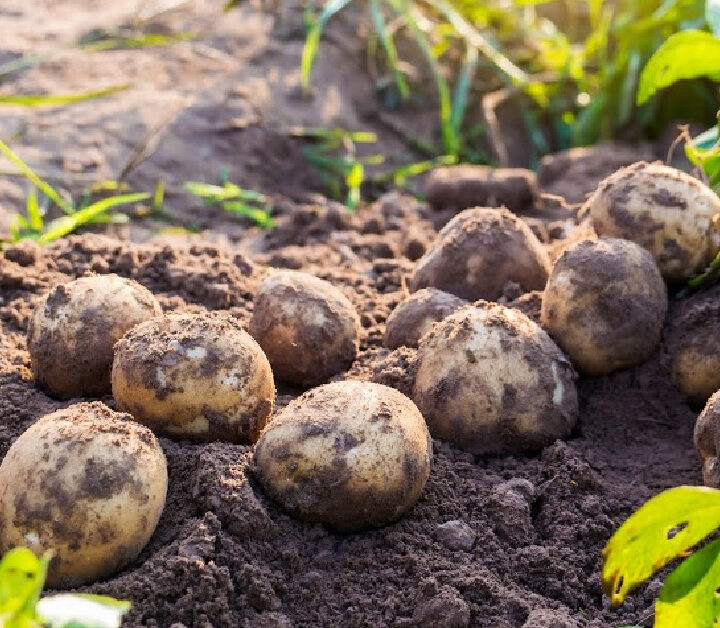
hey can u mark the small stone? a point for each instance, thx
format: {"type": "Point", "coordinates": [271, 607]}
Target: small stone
{"type": "Point", "coordinates": [549, 618]}
{"type": "Point", "coordinates": [447, 609]}
{"type": "Point", "coordinates": [456, 535]}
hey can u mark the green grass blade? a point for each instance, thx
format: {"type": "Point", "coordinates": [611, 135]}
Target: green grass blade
{"type": "Point", "coordinates": [462, 89]}
{"type": "Point", "coordinates": [59, 99]}
{"type": "Point", "coordinates": [33, 211]}
{"type": "Point", "coordinates": [354, 180]}
{"type": "Point", "coordinates": [312, 41]}
{"type": "Point", "coordinates": [138, 41]}
{"type": "Point", "coordinates": [44, 187]}
{"type": "Point", "coordinates": [67, 224]}
{"type": "Point", "coordinates": [389, 46]}
{"type": "Point", "coordinates": [260, 216]}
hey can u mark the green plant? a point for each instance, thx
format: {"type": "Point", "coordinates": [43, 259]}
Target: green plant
{"type": "Point", "coordinates": [236, 200]}
{"type": "Point", "coordinates": [33, 225]}
{"type": "Point", "coordinates": [674, 524]}
{"type": "Point", "coordinates": [22, 576]}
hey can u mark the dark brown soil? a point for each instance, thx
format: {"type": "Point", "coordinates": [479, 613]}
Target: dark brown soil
{"type": "Point", "coordinates": [493, 542]}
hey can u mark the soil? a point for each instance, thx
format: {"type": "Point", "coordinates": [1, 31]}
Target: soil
{"type": "Point", "coordinates": [496, 542]}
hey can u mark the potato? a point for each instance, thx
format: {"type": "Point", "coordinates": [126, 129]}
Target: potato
{"type": "Point", "coordinates": [478, 252]}
{"type": "Point", "coordinates": [604, 304]}
{"type": "Point", "coordinates": [307, 327]}
{"type": "Point", "coordinates": [491, 381]}
{"type": "Point", "coordinates": [415, 315]}
{"type": "Point", "coordinates": [664, 210]}
{"type": "Point", "coordinates": [692, 335]}
{"type": "Point", "coordinates": [72, 332]}
{"type": "Point", "coordinates": [87, 483]}
{"type": "Point", "coordinates": [199, 377]}
{"type": "Point", "coordinates": [707, 440]}
{"type": "Point", "coordinates": [349, 454]}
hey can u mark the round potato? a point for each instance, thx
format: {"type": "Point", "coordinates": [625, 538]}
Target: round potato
{"type": "Point", "coordinates": [604, 304]}
{"type": "Point", "coordinates": [72, 332]}
{"type": "Point", "coordinates": [478, 252]}
{"type": "Point", "coordinates": [707, 440]}
{"type": "Point", "coordinates": [692, 336]}
{"type": "Point", "coordinates": [414, 316]}
{"type": "Point", "coordinates": [87, 483]}
{"type": "Point", "coordinates": [307, 327]}
{"type": "Point", "coordinates": [666, 211]}
{"type": "Point", "coordinates": [491, 381]}
{"type": "Point", "coordinates": [199, 377]}
{"type": "Point", "coordinates": [349, 454]}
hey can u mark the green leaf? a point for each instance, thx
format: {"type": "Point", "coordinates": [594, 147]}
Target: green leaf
{"type": "Point", "coordinates": [354, 181]}
{"type": "Point", "coordinates": [389, 46]}
{"type": "Point", "coordinates": [667, 525]}
{"type": "Point", "coordinates": [22, 576]}
{"type": "Point", "coordinates": [59, 99]}
{"type": "Point", "coordinates": [685, 55]}
{"type": "Point", "coordinates": [33, 211]}
{"type": "Point", "coordinates": [689, 597]}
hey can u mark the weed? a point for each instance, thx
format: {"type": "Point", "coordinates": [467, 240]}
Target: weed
{"type": "Point", "coordinates": [236, 200]}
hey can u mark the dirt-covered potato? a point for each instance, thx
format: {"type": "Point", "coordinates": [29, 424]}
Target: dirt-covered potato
{"type": "Point", "coordinates": [308, 329]}
{"type": "Point", "coordinates": [692, 336]}
{"type": "Point", "coordinates": [200, 377]}
{"type": "Point", "coordinates": [489, 380]}
{"type": "Point", "coordinates": [349, 454]}
{"type": "Point", "coordinates": [707, 440]}
{"type": "Point", "coordinates": [72, 332]}
{"type": "Point", "coordinates": [87, 483]}
{"type": "Point", "coordinates": [415, 315]}
{"type": "Point", "coordinates": [604, 304]}
{"type": "Point", "coordinates": [666, 211]}
{"type": "Point", "coordinates": [478, 252]}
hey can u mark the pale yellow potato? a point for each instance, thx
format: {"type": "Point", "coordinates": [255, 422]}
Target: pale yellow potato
{"type": "Point", "coordinates": [349, 454]}
{"type": "Point", "coordinates": [692, 337]}
{"type": "Point", "coordinates": [478, 252]}
{"type": "Point", "coordinates": [666, 211]}
{"type": "Point", "coordinates": [491, 381]}
{"type": "Point", "coordinates": [415, 315]}
{"type": "Point", "coordinates": [604, 304]}
{"type": "Point", "coordinates": [707, 440]}
{"type": "Point", "coordinates": [200, 377]}
{"type": "Point", "coordinates": [308, 329]}
{"type": "Point", "coordinates": [73, 329]}
{"type": "Point", "coordinates": [87, 483]}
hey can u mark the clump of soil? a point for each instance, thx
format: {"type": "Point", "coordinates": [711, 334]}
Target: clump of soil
{"type": "Point", "coordinates": [503, 542]}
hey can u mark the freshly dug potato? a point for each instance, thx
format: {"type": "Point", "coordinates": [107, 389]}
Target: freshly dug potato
{"type": "Point", "coordinates": [199, 377]}
{"type": "Point", "coordinates": [664, 210]}
{"type": "Point", "coordinates": [73, 330]}
{"type": "Point", "coordinates": [604, 304]}
{"type": "Point", "coordinates": [707, 440]}
{"type": "Point", "coordinates": [349, 454]}
{"type": "Point", "coordinates": [87, 483]}
{"type": "Point", "coordinates": [308, 328]}
{"type": "Point", "coordinates": [692, 335]}
{"type": "Point", "coordinates": [478, 252]}
{"type": "Point", "coordinates": [414, 316]}
{"type": "Point", "coordinates": [491, 381]}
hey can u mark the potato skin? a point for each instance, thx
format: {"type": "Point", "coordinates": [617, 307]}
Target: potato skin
{"type": "Point", "coordinates": [72, 332]}
{"type": "Point", "coordinates": [707, 440]}
{"type": "Point", "coordinates": [478, 252]}
{"type": "Point", "coordinates": [308, 329]}
{"type": "Point", "coordinates": [200, 377]}
{"type": "Point", "coordinates": [664, 210]}
{"type": "Point", "coordinates": [692, 336]}
{"type": "Point", "coordinates": [604, 304]}
{"type": "Point", "coordinates": [415, 315]}
{"type": "Point", "coordinates": [491, 381]}
{"type": "Point", "coordinates": [349, 454]}
{"type": "Point", "coordinates": [86, 482]}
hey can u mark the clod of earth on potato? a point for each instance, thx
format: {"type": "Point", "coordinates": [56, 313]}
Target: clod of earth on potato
{"type": "Point", "coordinates": [666, 211]}
{"type": "Point", "coordinates": [604, 304]}
{"type": "Point", "coordinates": [491, 381]}
{"type": "Point", "coordinates": [692, 337]}
{"type": "Point", "coordinates": [308, 329]}
{"type": "Point", "coordinates": [72, 332]}
{"type": "Point", "coordinates": [415, 315]}
{"type": "Point", "coordinates": [349, 454]}
{"type": "Point", "coordinates": [478, 252]}
{"type": "Point", "coordinates": [707, 440]}
{"type": "Point", "coordinates": [200, 377]}
{"type": "Point", "coordinates": [87, 483]}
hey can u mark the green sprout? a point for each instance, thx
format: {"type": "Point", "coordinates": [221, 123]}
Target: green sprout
{"type": "Point", "coordinates": [235, 200]}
